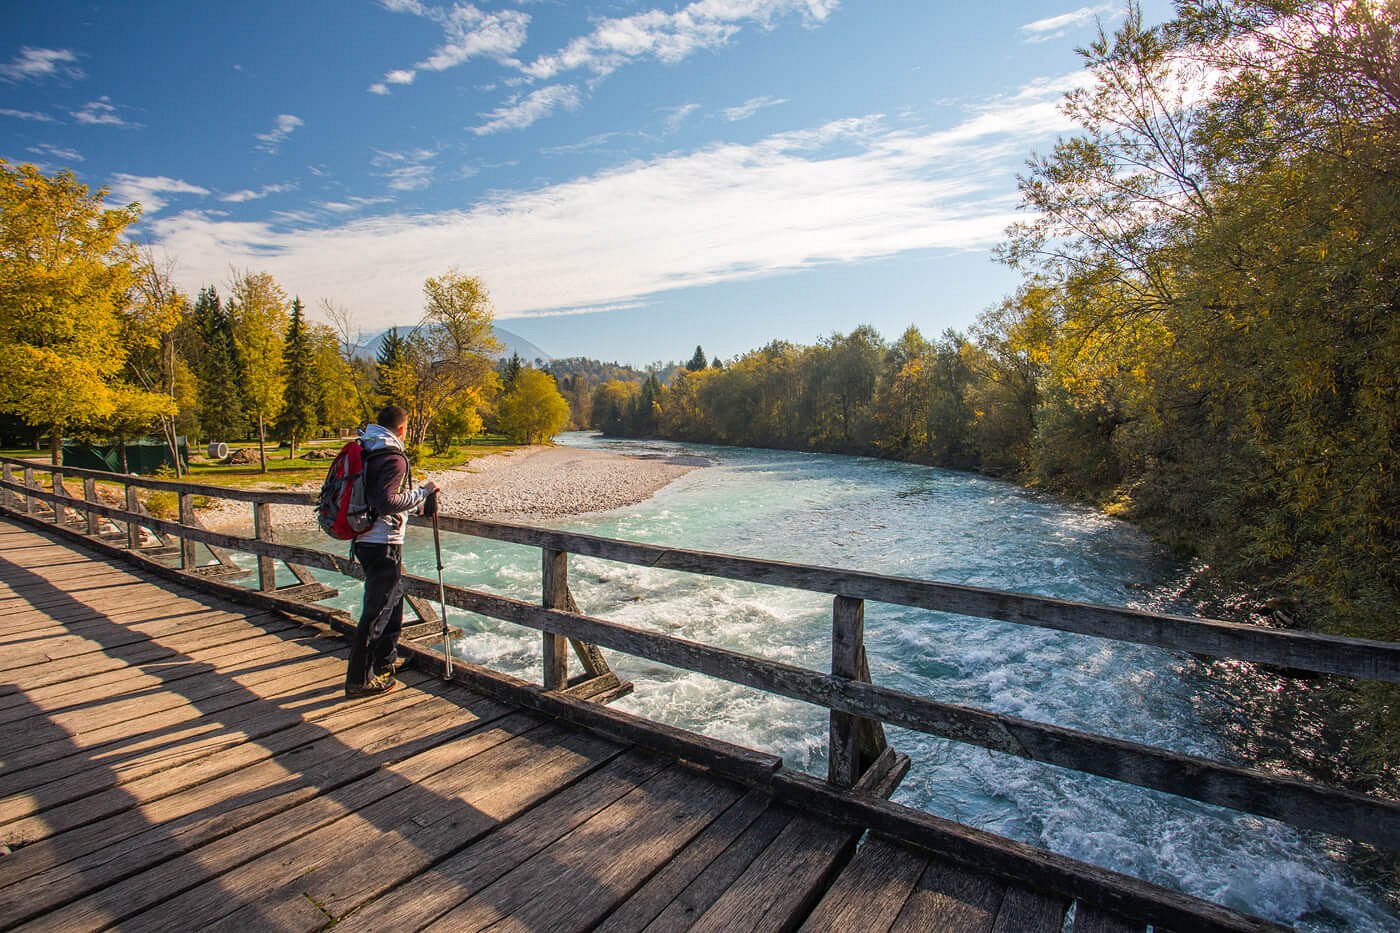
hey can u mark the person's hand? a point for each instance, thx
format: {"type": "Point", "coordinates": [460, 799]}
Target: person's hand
{"type": "Point", "coordinates": [430, 487]}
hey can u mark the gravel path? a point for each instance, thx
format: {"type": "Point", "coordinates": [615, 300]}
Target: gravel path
{"type": "Point", "coordinates": [532, 482]}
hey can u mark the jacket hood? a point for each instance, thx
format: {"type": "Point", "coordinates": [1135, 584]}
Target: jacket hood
{"type": "Point", "coordinates": [378, 437]}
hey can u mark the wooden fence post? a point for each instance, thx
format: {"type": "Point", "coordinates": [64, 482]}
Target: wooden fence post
{"type": "Point", "coordinates": [186, 518]}
{"type": "Point", "coordinates": [556, 596]}
{"type": "Point", "coordinates": [31, 505]}
{"type": "Point", "coordinates": [6, 474]}
{"type": "Point", "coordinates": [262, 530]}
{"type": "Point", "coordinates": [90, 495]}
{"type": "Point", "coordinates": [60, 512]}
{"type": "Point", "coordinates": [133, 528]}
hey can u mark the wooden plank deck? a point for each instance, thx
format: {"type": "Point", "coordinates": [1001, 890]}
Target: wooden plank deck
{"type": "Point", "coordinates": [170, 760]}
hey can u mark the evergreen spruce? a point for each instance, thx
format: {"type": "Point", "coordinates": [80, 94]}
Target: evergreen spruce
{"type": "Point", "coordinates": [220, 406]}
{"type": "Point", "coordinates": [697, 362]}
{"type": "Point", "coordinates": [298, 418]}
{"type": "Point", "coordinates": [392, 348]}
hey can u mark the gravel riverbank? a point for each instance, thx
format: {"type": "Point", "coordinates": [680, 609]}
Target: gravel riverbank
{"type": "Point", "coordinates": [524, 484]}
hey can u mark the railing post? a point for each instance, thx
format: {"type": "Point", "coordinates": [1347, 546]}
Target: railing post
{"type": "Point", "coordinates": [90, 495]}
{"type": "Point", "coordinates": [60, 513]}
{"type": "Point", "coordinates": [133, 528]}
{"type": "Point", "coordinates": [556, 596]}
{"type": "Point", "coordinates": [262, 530]}
{"type": "Point", "coordinates": [8, 476]}
{"type": "Point", "coordinates": [30, 503]}
{"type": "Point", "coordinates": [186, 518]}
{"type": "Point", "coordinates": [847, 647]}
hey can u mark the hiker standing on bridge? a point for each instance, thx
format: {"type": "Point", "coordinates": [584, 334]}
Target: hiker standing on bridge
{"type": "Point", "coordinates": [374, 654]}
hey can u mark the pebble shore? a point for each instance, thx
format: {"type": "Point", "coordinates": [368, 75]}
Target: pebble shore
{"type": "Point", "coordinates": [532, 482]}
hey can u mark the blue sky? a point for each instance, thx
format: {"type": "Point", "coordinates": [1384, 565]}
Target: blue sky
{"type": "Point", "coordinates": [630, 179]}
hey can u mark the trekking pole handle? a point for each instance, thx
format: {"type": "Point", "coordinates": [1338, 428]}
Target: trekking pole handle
{"type": "Point", "coordinates": [430, 505]}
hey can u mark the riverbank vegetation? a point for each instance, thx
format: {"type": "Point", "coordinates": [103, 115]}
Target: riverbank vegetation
{"type": "Point", "coordinates": [1207, 334]}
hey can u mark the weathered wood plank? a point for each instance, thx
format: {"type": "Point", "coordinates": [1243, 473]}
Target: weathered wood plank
{"type": "Point", "coordinates": [1088, 919]}
{"type": "Point", "coordinates": [1025, 911]}
{"type": "Point", "coordinates": [173, 891]}
{"type": "Point", "coordinates": [348, 749]}
{"type": "Point", "coordinates": [1009, 860]}
{"type": "Point", "coordinates": [573, 883]}
{"type": "Point", "coordinates": [949, 899]}
{"type": "Point", "coordinates": [713, 880]}
{"type": "Point", "coordinates": [681, 873]}
{"type": "Point", "coordinates": [870, 893]}
{"type": "Point", "coordinates": [555, 587]}
{"type": "Point", "coordinates": [784, 882]}
{"type": "Point", "coordinates": [451, 881]}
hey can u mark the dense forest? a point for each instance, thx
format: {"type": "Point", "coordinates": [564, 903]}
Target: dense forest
{"type": "Point", "coordinates": [1206, 338]}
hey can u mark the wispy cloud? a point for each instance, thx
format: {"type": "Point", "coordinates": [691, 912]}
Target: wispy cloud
{"type": "Point", "coordinates": [102, 112]}
{"type": "Point", "coordinates": [750, 107]}
{"type": "Point", "coordinates": [148, 190]}
{"type": "Point", "coordinates": [251, 194]}
{"type": "Point", "coordinates": [468, 32]}
{"type": "Point", "coordinates": [26, 115]}
{"type": "Point", "coordinates": [1053, 27]}
{"type": "Point", "coordinates": [841, 192]}
{"type": "Point", "coordinates": [36, 64]}
{"type": "Point", "coordinates": [675, 116]}
{"type": "Point", "coordinates": [67, 155]}
{"type": "Point", "coordinates": [670, 37]}
{"type": "Point", "coordinates": [407, 170]}
{"type": "Point", "coordinates": [352, 204]}
{"type": "Point", "coordinates": [523, 111]}
{"type": "Point", "coordinates": [284, 126]}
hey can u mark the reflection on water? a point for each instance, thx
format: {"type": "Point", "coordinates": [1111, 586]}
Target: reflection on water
{"type": "Point", "coordinates": [935, 524]}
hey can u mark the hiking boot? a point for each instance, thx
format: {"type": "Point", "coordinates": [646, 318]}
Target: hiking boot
{"type": "Point", "coordinates": [393, 667]}
{"type": "Point", "coordinates": [376, 685]}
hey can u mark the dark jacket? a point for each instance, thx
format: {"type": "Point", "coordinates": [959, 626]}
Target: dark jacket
{"type": "Point", "coordinates": [387, 486]}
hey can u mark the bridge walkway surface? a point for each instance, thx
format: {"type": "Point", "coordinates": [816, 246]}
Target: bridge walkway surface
{"type": "Point", "coordinates": [173, 760]}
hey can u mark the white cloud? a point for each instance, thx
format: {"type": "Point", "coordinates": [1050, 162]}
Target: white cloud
{"type": "Point", "coordinates": [147, 190]}
{"type": "Point", "coordinates": [467, 32]}
{"type": "Point", "coordinates": [843, 192]}
{"type": "Point", "coordinates": [750, 107]}
{"type": "Point", "coordinates": [26, 115]}
{"type": "Point", "coordinates": [671, 37]}
{"type": "Point", "coordinates": [250, 194]}
{"type": "Point", "coordinates": [34, 64]}
{"type": "Point", "coordinates": [67, 155]}
{"type": "Point", "coordinates": [284, 126]}
{"type": "Point", "coordinates": [406, 171]}
{"type": "Point", "coordinates": [675, 116]}
{"type": "Point", "coordinates": [1053, 27]}
{"type": "Point", "coordinates": [521, 112]}
{"type": "Point", "coordinates": [101, 112]}
{"type": "Point", "coordinates": [351, 204]}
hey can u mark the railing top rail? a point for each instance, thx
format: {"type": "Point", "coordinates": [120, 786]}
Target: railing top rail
{"type": "Point", "coordinates": [1289, 650]}
{"type": "Point", "coordinates": [270, 496]}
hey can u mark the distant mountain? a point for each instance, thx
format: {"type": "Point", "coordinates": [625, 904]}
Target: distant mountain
{"type": "Point", "coordinates": [511, 343]}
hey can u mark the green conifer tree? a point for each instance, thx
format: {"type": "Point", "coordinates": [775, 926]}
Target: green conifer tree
{"type": "Point", "coordinates": [298, 418]}
{"type": "Point", "coordinates": [220, 406]}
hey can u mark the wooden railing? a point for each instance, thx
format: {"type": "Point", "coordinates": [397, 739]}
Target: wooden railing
{"type": "Point", "coordinates": [859, 756]}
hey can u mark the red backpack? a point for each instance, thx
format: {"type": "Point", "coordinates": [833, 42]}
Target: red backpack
{"type": "Point", "coordinates": [342, 510]}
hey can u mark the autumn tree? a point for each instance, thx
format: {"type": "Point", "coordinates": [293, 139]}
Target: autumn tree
{"type": "Point", "coordinates": [532, 410]}
{"type": "Point", "coordinates": [258, 310]}
{"type": "Point", "coordinates": [65, 274]}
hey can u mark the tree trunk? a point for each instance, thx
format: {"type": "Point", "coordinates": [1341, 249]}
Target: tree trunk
{"type": "Point", "coordinates": [262, 445]}
{"type": "Point", "coordinates": [55, 445]}
{"type": "Point", "coordinates": [167, 427]}
{"type": "Point", "coordinates": [121, 450]}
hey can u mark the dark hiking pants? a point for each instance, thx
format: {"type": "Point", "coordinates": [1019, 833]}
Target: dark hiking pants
{"type": "Point", "coordinates": [383, 565]}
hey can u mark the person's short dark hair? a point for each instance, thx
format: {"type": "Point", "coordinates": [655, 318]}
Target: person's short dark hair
{"type": "Point", "coordinates": [392, 417]}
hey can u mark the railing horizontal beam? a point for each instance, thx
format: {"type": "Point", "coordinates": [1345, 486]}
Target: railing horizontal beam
{"type": "Point", "coordinates": [1290, 651]}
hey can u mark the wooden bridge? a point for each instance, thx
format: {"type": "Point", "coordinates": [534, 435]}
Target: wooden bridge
{"type": "Point", "coordinates": [176, 753]}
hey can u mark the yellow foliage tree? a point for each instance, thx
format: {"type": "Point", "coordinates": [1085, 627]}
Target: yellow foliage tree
{"type": "Point", "coordinates": [533, 411]}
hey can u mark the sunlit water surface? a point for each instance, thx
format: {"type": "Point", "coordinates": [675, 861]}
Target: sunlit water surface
{"type": "Point", "coordinates": [934, 524]}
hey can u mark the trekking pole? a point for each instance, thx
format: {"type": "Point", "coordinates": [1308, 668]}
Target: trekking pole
{"type": "Point", "coordinates": [431, 507]}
